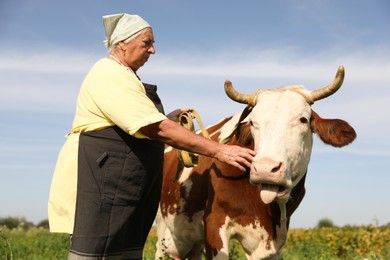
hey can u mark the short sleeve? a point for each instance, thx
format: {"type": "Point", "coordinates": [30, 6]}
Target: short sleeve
{"type": "Point", "coordinates": [120, 97]}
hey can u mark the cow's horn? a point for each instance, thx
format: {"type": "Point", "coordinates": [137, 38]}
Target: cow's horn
{"type": "Point", "coordinates": [239, 97]}
{"type": "Point", "coordinates": [331, 88]}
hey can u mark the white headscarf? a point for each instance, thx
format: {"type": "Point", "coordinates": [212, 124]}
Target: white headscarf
{"type": "Point", "coordinates": [119, 27]}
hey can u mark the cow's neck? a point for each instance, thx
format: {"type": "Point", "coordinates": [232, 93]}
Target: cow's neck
{"type": "Point", "coordinates": [286, 209]}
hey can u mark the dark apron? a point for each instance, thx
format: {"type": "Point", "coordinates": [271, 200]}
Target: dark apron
{"type": "Point", "coordinates": [118, 191]}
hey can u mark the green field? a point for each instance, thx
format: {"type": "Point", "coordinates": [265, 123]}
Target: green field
{"type": "Point", "coordinates": [365, 242]}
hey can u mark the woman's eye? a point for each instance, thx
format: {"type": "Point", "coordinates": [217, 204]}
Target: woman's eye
{"type": "Point", "coordinates": [148, 43]}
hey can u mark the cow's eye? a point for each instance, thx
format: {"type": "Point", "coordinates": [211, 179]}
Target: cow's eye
{"type": "Point", "coordinates": [304, 120]}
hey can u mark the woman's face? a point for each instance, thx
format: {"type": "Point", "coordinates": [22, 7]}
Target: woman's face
{"type": "Point", "coordinates": [138, 50]}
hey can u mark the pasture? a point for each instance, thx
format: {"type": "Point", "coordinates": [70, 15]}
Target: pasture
{"type": "Point", "coordinates": [363, 242]}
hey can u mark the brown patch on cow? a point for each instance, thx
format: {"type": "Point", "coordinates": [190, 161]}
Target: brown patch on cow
{"type": "Point", "coordinates": [173, 191]}
{"type": "Point", "coordinates": [238, 199]}
{"type": "Point", "coordinates": [244, 136]}
{"type": "Point", "coordinates": [170, 194]}
{"type": "Point", "coordinates": [198, 195]}
{"type": "Point", "coordinates": [335, 132]}
{"type": "Point", "coordinates": [231, 187]}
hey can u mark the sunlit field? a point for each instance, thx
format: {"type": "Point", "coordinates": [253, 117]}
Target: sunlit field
{"type": "Point", "coordinates": [363, 242]}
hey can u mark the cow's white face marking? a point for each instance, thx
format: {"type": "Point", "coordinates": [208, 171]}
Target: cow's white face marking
{"type": "Point", "coordinates": [283, 141]}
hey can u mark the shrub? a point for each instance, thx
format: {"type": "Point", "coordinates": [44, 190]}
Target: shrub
{"type": "Point", "coordinates": [43, 224]}
{"type": "Point", "coordinates": [325, 222]}
{"type": "Point", "coordinates": [15, 222]}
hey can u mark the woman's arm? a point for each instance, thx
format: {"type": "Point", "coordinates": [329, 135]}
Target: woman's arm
{"type": "Point", "coordinates": [171, 133]}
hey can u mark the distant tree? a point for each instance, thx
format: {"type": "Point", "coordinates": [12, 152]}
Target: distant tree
{"type": "Point", "coordinates": [325, 222]}
{"type": "Point", "coordinates": [43, 224]}
{"type": "Point", "coordinates": [15, 222]}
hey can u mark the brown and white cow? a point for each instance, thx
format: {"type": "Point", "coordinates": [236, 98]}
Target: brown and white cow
{"type": "Point", "coordinates": [212, 202]}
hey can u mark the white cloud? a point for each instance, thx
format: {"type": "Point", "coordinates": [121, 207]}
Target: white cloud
{"type": "Point", "coordinates": [50, 80]}
{"type": "Point", "coordinates": [46, 62]}
{"type": "Point", "coordinates": [280, 63]}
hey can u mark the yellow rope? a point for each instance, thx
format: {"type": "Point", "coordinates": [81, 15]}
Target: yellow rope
{"type": "Point", "coordinates": [188, 159]}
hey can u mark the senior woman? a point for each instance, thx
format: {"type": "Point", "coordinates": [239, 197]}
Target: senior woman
{"type": "Point", "coordinates": [107, 181]}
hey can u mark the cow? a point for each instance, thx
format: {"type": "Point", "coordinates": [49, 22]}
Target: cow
{"type": "Point", "coordinates": [213, 202]}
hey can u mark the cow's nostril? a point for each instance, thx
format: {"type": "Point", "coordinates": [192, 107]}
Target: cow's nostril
{"type": "Point", "coordinates": [277, 168]}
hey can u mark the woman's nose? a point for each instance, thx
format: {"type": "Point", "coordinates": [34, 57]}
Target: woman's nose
{"type": "Point", "coordinates": [152, 50]}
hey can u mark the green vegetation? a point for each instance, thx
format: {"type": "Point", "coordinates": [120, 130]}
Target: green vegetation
{"type": "Point", "coordinates": [33, 243]}
{"type": "Point", "coordinates": [365, 242]}
{"type": "Point", "coordinates": [20, 239]}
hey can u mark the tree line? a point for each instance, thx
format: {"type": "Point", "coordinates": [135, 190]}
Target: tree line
{"type": "Point", "coordinates": [22, 223]}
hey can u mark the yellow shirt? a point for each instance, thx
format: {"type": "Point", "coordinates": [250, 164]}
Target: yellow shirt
{"type": "Point", "coordinates": [110, 95]}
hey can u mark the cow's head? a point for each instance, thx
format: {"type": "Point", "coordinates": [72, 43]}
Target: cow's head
{"type": "Point", "coordinates": [281, 125]}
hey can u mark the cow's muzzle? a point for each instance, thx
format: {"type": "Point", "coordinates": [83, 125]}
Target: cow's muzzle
{"type": "Point", "coordinates": [270, 176]}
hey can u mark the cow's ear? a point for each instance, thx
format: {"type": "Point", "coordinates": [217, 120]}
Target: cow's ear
{"type": "Point", "coordinates": [335, 132]}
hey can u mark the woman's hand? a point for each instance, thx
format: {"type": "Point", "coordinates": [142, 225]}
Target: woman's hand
{"type": "Point", "coordinates": [174, 115]}
{"type": "Point", "coordinates": [239, 157]}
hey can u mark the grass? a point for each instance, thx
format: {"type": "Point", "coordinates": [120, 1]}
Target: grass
{"type": "Point", "coordinates": [366, 242]}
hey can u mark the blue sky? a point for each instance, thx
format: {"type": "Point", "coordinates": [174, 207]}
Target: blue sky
{"type": "Point", "coordinates": [48, 46]}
